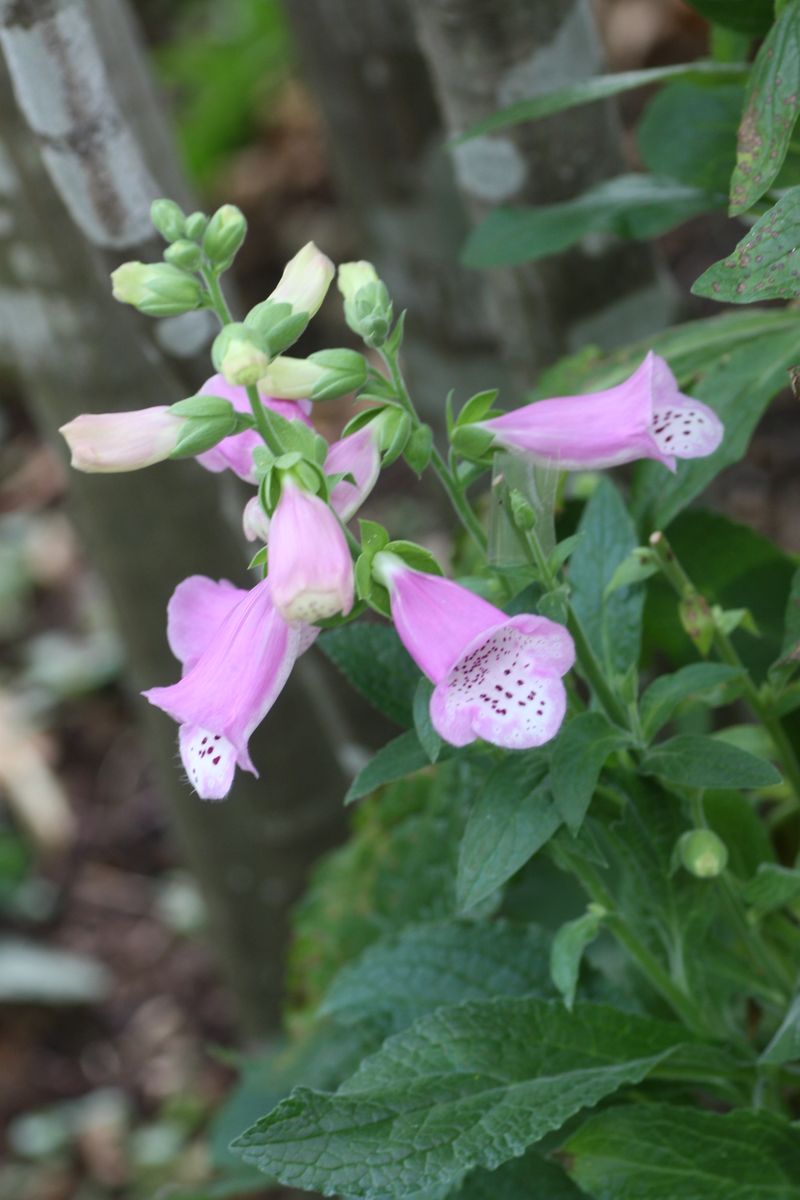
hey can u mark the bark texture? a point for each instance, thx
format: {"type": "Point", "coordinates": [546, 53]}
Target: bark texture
{"type": "Point", "coordinates": [483, 56]}
{"type": "Point", "coordinates": [85, 151]}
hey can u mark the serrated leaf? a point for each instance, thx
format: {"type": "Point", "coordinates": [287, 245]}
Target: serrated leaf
{"type": "Point", "coordinates": [513, 817]}
{"type": "Point", "coordinates": [468, 1086]}
{"type": "Point", "coordinates": [428, 737]}
{"type": "Point", "coordinates": [739, 387]}
{"type": "Point", "coordinates": [771, 888]}
{"type": "Point", "coordinates": [599, 87]}
{"type": "Point", "coordinates": [567, 952]}
{"type": "Point", "coordinates": [662, 1151]}
{"type": "Point", "coordinates": [612, 624]}
{"type": "Point", "coordinates": [692, 760]}
{"type": "Point", "coordinates": [426, 966]}
{"type": "Point", "coordinates": [578, 757]}
{"type": "Point", "coordinates": [700, 682]}
{"type": "Point", "coordinates": [373, 660]}
{"type": "Point", "coordinates": [398, 758]}
{"type": "Point", "coordinates": [632, 206]}
{"type": "Point", "coordinates": [785, 1045]}
{"type": "Point", "coordinates": [770, 111]}
{"type": "Point", "coordinates": [764, 265]}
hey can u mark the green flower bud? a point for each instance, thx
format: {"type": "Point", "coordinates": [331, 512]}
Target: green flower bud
{"type": "Point", "coordinates": [243, 363]}
{"type": "Point", "coordinates": [196, 225]}
{"type": "Point", "coordinates": [157, 289]}
{"type": "Point", "coordinates": [702, 853]}
{"type": "Point", "coordinates": [322, 376]}
{"type": "Point", "coordinates": [224, 235]}
{"type": "Point", "coordinates": [185, 254]}
{"type": "Point", "coordinates": [168, 219]}
{"type": "Point", "coordinates": [367, 304]}
{"type": "Point", "coordinates": [305, 281]}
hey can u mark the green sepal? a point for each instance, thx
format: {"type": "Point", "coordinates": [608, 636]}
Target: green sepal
{"type": "Point", "coordinates": [277, 326]}
{"type": "Point", "coordinates": [562, 551]}
{"type": "Point", "coordinates": [184, 254]}
{"type": "Point", "coordinates": [729, 619]}
{"type": "Point", "coordinates": [414, 556]}
{"type": "Point", "coordinates": [200, 434]}
{"type": "Point", "coordinates": [349, 373]}
{"type": "Point", "coordinates": [395, 338]}
{"type": "Point", "coordinates": [373, 536]}
{"type": "Point", "coordinates": [367, 588]}
{"type": "Point", "coordinates": [203, 406]}
{"type": "Point", "coordinates": [477, 407]}
{"type": "Point", "coordinates": [419, 448]}
{"type": "Point", "coordinates": [340, 619]}
{"type": "Point", "coordinates": [471, 442]}
{"type": "Point", "coordinates": [259, 559]}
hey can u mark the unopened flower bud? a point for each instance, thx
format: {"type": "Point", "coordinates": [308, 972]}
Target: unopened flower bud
{"type": "Point", "coordinates": [196, 225]}
{"type": "Point", "coordinates": [168, 219]}
{"type": "Point", "coordinates": [156, 289]}
{"type": "Point", "coordinates": [125, 441]}
{"type": "Point", "coordinates": [255, 521]}
{"type": "Point", "coordinates": [367, 305]}
{"type": "Point", "coordinates": [184, 253]}
{"type": "Point", "coordinates": [310, 564]}
{"type": "Point", "coordinates": [225, 234]}
{"type": "Point", "coordinates": [321, 376]}
{"type": "Point", "coordinates": [243, 363]}
{"type": "Point", "coordinates": [702, 853]}
{"type": "Point", "coordinates": [305, 281]}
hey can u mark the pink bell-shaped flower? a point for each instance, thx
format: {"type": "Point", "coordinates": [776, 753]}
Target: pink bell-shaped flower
{"type": "Point", "coordinates": [237, 653]}
{"type": "Point", "coordinates": [236, 453]}
{"type": "Point", "coordinates": [644, 417]}
{"type": "Point", "coordinates": [125, 441]}
{"type": "Point", "coordinates": [310, 565]}
{"type": "Point", "coordinates": [496, 677]}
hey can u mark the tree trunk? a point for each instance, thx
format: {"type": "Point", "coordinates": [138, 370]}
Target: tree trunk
{"type": "Point", "coordinates": [485, 55]}
{"type": "Point", "coordinates": [85, 151]}
{"type": "Point", "coordinates": [374, 89]}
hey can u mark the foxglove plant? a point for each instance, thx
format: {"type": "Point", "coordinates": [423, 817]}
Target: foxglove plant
{"type": "Point", "coordinates": [528, 742]}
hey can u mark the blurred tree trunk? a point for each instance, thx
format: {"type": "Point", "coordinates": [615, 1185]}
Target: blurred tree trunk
{"type": "Point", "coordinates": [85, 150]}
{"type": "Point", "coordinates": [374, 90]}
{"type": "Point", "coordinates": [484, 55]}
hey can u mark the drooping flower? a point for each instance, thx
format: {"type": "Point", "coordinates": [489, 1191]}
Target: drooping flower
{"type": "Point", "coordinates": [237, 653]}
{"type": "Point", "coordinates": [126, 441]}
{"type": "Point", "coordinates": [644, 417]}
{"type": "Point", "coordinates": [310, 565]}
{"type": "Point", "coordinates": [236, 453]}
{"type": "Point", "coordinates": [496, 677]}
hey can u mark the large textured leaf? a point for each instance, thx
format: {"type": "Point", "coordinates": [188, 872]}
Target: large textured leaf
{"type": "Point", "coordinates": [705, 683]}
{"type": "Point", "coordinates": [513, 817]}
{"type": "Point", "coordinates": [599, 87]}
{"type": "Point", "coordinates": [770, 111]}
{"type": "Point", "coordinates": [578, 757]}
{"type": "Point", "coordinates": [705, 154]}
{"type": "Point", "coordinates": [427, 966]}
{"type": "Point", "coordinates": [632, 206]}
{"type": "Point", "coordinates": [692, 760]}
{"type": "Point", "coordinates": [764, 265]}
{"type": "Point", "coordinates": [373, 659]}
{"type": "Point", "coordinates": [468, 1086]}
{"type": "Point", "coordinates": [612, 623]}
{"type": "Point", "coordinates": [402, 756]}
{"type": "Point", "coordinates": [663, 1152]}
{"type": "Point", "coordinates": [739, 389]}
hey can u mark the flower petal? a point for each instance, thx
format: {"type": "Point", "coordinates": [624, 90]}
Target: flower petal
{"type": "Point", "coordinates": [357, 455]}
{"type": "Point", "coordinates": [687, 428]}
{"type": "Point", "coordinates": [196, 609]}
{"type": "Point", "coordinates": [501, 691]}
{"type": "Point", "coordinates": [209, 759]}
{"type": "Point", "coordinates": [311, 567]}
{"type": "Point", "coordinates": [236, 453]}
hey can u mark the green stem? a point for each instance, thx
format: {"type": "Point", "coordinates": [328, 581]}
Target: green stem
{"type": "Point", "coordinates": [446, 477]}
{"type": "Point", "coordinates": [219, 304]}
{"type": "Point", "coordinates": [681, 583]}
{"type": "Point", "coordinates": [262, 422]}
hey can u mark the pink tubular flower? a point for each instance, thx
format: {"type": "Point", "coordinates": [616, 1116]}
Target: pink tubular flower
{"type": "Point", "coordinates": [309, 561]}
{"type": "Point", "coordinates": [357, 455]}
{"type": "Point", "coordinates": [125, 441]}
{"type": "Point", "coordinates": [496, 677]}
{"type": "Point", "coordinates": [237, 653]}
{"type": "Point", "coordinates": [236, 453]}
{"type": "Point", "coordinates": [644, 417]}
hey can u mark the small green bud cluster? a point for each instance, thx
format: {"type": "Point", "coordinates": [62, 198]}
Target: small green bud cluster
{"type": "Point", "coordinates": [367, 306]}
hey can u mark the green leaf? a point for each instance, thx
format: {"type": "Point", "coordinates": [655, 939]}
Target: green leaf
{"type": "Point", "coordinates": [770, 111]}
{"type": "Point", "coordinates": [771, 888]}
{"type": "Point", "coordinates": [567, 951]}
{"type": "Point", "coordinates": [764, 264]}
{"type": "Point", "coordinates": [738, 388]}
{"type": "Point", "coordinates": [705, 154]}
{"type": "Point", "coordinates": [598, 87]}
{"type": "Point", "coordinates": [704, 683]}
{"type": "Point", "coordinates": [580, 752]}
{"type": "Point", "coordinates": [612, 624]}
{"type": "Point", "coordinates": [398, 758]}
{"type": "Point", "coordinates": [467, 1086]}
{"type": "Point", "coordinates": [790, 649]}
{"type": "Point", "coordinates": [528, 1178]}
{"type": "Point", "coordinates": [640, 564]}
{"type": "Point", "coordinates": [373, 660]}
{"type": "Point", "coordinates": [661, 1152]}
{"type": "Point", "coordinates": [428, 737]}
{"type": "Point", "coordinates": [426, 966]}
{"type": "Point", "coordinates": [695, 761]}
{"type": "Point", "coordinates": [785, 1046]}
{"type": "Point", "coordinates": [745, 16]}
{"type": "Point", "coordinates": [632, 206]}
{"type": "Point", "coordinates": [513, 817]}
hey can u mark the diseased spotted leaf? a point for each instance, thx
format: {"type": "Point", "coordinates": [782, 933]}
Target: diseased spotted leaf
{"type": "Point", "coordinates": [765, 264]}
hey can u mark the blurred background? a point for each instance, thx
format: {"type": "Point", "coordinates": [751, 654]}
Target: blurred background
{"type": "Point", "coordinates": [144, 934]}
